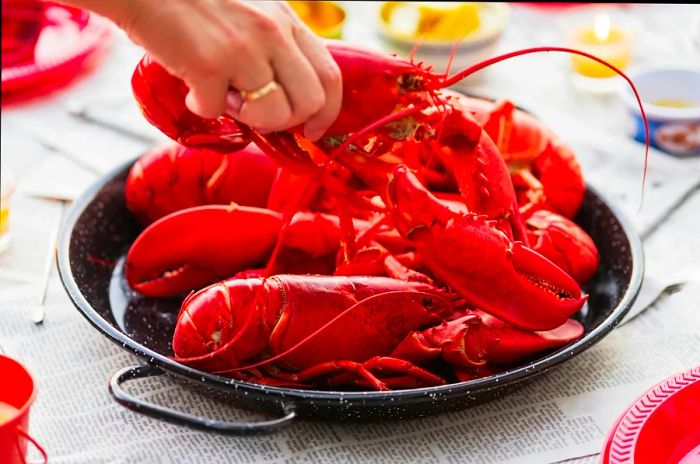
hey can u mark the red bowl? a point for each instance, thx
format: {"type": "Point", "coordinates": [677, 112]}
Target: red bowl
{"type": "Point", "coordinates": [661, 427]}
{"type": "Point", "coordinates": [18, 390]}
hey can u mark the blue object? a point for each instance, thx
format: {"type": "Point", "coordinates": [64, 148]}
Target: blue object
{"type": "Point", "coordinates": [673, 130]}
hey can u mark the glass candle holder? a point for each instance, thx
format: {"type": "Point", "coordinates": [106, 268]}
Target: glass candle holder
{"type": "Point", "coordinates": [325, 18]}
{"type": "Point", "coordinates": [603, 39]}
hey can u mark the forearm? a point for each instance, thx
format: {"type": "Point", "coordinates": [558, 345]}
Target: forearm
{"type": "Point", "coordinates": [119, 11]}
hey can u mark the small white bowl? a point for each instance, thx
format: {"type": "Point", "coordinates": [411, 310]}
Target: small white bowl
{"type": "Point", "coordinates": [673, 130]}
{"type": "Point", "coordinates": [475, 47]}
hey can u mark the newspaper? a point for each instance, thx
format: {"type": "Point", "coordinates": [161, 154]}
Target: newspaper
{"type": "Point", "coordinates": [564, 415]}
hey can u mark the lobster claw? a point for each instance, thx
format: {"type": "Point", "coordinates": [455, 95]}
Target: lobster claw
{"type": "Point", "coordinates": [505, 344]}
{"type": "Point", "coordinates": [478, 339]}
{"type": "Point", "coordinates": [519, 286]}
{"type": "Point", "coordinates": [161, 98]}
{"type": "Point", "coordinates": [197, 246]}
{"type": "Point", "coordinates": [172, 177]}
{"type": "Point", "coordinates": [193, 247]}
{"type": "Point", "coordinates": [479, 169]}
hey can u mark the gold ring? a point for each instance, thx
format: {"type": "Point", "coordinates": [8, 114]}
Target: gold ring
{"type": "Point", "coordinates": [249, 95]}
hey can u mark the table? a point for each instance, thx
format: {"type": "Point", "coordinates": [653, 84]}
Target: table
{"type": "Point", "coordinates": [555, 418]}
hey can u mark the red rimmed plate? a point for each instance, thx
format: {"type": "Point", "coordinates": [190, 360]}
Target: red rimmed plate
{"type": "Point", "coordinates": [68, 38]}
{"type": "Point", "coordinates": [662, 426]}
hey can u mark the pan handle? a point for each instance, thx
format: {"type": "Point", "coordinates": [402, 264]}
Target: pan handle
{"type": "Point", "coordinates": [182, 418]}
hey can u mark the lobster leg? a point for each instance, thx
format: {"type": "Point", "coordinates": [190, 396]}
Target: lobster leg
{"type": "Point", "coordinates": [355, 370]}
{"type": "Point", "coordinates": [372, 373]}
{"type": "Point", "coordinates": [388, 365]}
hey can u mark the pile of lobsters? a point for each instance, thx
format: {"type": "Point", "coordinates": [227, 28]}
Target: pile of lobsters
{"type": "Point", "coordinates": [426, 238]}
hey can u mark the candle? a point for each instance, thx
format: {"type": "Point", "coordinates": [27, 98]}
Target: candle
{"type": "Point", "coordinates": [604, 40]}
{"type": "Point", "coordinates": [6, 188]}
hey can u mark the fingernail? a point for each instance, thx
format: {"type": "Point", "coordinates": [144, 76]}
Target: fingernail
{"type": "Point", "coordinates": [234, 101]}
{"type": "Point", "coordinates": [191, 103]}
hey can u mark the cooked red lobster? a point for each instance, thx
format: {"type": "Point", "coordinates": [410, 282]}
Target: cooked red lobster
{"type": "Point", "coordinates": [425, 229]}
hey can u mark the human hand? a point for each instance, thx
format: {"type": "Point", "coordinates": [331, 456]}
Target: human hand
{"type": "Point", "coordinates": [216, 44]}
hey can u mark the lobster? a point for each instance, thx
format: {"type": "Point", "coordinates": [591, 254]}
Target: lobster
{"type": "Point", "coordinates": [172, 177]}
{"type": "Point", "coordinates": [300, 330]}
{"type": "Point", "coordinates": [378, 157]}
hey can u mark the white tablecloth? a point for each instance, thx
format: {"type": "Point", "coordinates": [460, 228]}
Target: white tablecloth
{"type": "Point", "coordinates": [55, 148]}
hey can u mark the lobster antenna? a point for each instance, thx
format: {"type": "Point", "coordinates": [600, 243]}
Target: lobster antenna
{"type": "Point", "coordinates": [486, 63]}
{"type": "Point", "coordinates": [415, 47]}
{"type": "Point", "coordinates": [453, 52]}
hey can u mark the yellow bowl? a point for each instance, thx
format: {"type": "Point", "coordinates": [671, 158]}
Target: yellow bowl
{"type": "Point", "coordinates": [477, 42]}
{"type": "Point", "coordinates": [326, 19]}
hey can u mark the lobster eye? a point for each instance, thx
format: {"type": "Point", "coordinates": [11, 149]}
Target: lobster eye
{"type": "Point", "coordinates": [428, 303]}
{"type": "Point", "coordinates": [410, 82]}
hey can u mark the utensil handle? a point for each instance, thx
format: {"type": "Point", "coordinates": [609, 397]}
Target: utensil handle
{"type": "Point", "coordinates": [183, 418]}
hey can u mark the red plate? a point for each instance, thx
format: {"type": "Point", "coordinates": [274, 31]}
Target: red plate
{"type": "Point", "coordinates": [662, 426]}
{"type": "Point", "coordinates": [68, 38]}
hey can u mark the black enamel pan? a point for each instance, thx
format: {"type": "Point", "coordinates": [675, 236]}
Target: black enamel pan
{"type": "Point", "coordinates": [99, 230]}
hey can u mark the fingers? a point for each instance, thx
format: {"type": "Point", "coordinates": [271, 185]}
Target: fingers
{"type": "Point", "coordinates": [267, 113]}
{"type": "Point", "coordinates": [329, 75]}
{"type": "Point", "coordinates": [300, 82]}
{"type": "Point", "coordinates": [245, 46]}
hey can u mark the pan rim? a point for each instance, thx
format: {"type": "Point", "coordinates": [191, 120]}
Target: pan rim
{"type": "Point", "coordinates": [289, 395]}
